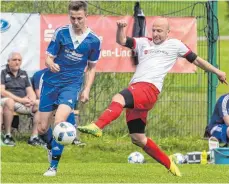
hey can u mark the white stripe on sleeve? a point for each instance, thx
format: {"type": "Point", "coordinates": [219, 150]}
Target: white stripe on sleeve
{"type": "Point", "coordinates": [224, 105]}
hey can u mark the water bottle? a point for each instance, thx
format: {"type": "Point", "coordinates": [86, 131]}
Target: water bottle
{"type": "Point", "coordinates": [204, 157]}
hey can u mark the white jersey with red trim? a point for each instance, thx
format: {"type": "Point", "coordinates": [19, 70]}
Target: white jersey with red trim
{"type": "Point", "coordinates": [155, 61]}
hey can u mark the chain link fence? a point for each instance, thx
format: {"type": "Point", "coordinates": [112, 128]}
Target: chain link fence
{"type": "Point", "coordinates": [182, 106]}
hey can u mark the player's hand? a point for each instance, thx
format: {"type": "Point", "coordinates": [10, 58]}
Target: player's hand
{"type": "Point", "coordinates": [222, 77]}
{"type": "Point", "coordinates": [121, 23]}
{"type": "Point", "coordinates": [53, 67]}
{"type": "Point", "coordinates": [84, 97]}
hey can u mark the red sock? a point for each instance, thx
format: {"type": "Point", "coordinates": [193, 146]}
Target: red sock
{"type": "Point", "coordinates": [154, 151]}
{"type": "Point", "coordinates": [111, 113]}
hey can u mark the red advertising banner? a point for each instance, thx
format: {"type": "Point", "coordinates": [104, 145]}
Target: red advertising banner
{"type": "Point", "coordinates": [113, 57]}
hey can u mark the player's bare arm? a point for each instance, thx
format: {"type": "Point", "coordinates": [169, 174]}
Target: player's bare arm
{"type": "Point", "coordinates": [120, 34]}
{"type": "Point", "coordinates": [210, 68]}
{"type": "Point", "coordinates": [49, 62]}
{"type": "Point", "coordinates": [89, 79]}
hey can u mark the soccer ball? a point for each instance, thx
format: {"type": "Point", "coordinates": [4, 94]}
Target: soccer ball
{"type": "Point", "coordinates": [136, 158]}
{"type": "Point", "coordinates": [64, 133]}
{"type": "Point", "coordinates": [179, 158]}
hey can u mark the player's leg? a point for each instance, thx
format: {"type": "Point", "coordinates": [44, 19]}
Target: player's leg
{"type": "Point", "coordinates": [137, 133]}
{"type": "Point", "coordinates": [57, 150]}
{"type": "Point", "coordinates": [43, 122]}
{"type": "Point", "coordinates": [47, 105]}
{"type": "Point", "coordinates": [56, 153]}
{"type": "Point", "coordinates": [112, 112]}
{"type": "Point", "coordinates": [66, 102]}
{"type": "Point", "coordinates": [145, 96]}
{"type": "Point", "coordinates": [67, 99]}
{"type": "Point", "coordinates": [48, 136]}
{"type": "Point", "coordinates": [62, 113]}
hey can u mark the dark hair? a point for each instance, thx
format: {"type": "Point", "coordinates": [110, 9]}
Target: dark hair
{"type": "Point", "coordinates": [77, 5]}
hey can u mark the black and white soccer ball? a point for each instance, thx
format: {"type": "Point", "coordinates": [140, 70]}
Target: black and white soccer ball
{"type": "Point", "coordinates": [64, 133]}
{"type": "Point", "coordinates": [136, 158]}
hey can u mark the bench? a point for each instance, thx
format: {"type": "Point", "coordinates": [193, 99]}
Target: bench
{"type": "Point", "coordinates": [16, 119]}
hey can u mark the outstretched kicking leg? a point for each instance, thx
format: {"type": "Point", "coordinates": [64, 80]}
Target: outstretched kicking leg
{"type": "Point", "coordinates": [112, 112]}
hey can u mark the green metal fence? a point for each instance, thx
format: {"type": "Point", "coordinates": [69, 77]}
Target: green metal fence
{"type": "Point", "coordinates": [182, 108]}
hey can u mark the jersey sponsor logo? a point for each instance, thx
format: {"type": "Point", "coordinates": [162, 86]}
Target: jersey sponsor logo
{"type": "Point", "coordinates": [23, 76]}
{"type": "Point", "coordinates": [7, 76]}
{"type": "Point", "coordinates": [155, 51]}
{"type": "Point", "coordinates": [146, 51]}
{"type": "Point", "coordinates": [5, 25]}
{"type": "Point", "coordinates": [76, 54]}
{"type": "Point", "coordinates": [72, 55]}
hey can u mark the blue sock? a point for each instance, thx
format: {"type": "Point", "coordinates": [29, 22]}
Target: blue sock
{"type": "Point", "coordinates": [47, 138]}
{"type": "Point", "coordinates": [57, 148]}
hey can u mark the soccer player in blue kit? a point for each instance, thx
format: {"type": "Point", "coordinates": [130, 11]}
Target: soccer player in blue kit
{"type": "Point", "coordinates": [219, 123]}
{"type": "Point", "coordinates": [71, 58]}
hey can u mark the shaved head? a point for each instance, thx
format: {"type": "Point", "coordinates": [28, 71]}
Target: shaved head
{"type": "Point", "coordinates": [163, 22]}
{"type": "Point", "coordinates": [160, 30]}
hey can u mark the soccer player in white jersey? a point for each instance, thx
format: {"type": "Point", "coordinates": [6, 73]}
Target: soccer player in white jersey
{"type": "Point", "coordinates": [156, 57]}
{"type": "Point", "coordinates": [73, 49]}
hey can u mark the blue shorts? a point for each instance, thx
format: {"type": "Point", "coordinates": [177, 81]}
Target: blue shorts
{"type": "Point", "coordinates": [220, 132]}
{"type": "Point", "coordinates": [52, 96]}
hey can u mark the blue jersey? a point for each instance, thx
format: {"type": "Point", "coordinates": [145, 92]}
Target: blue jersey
{"type": "Point", "coordinates": [35, 80]}
{"type": "Point", "coordinates": [72, 53]}
{"type": "Point", "coordinates": [221, 110]}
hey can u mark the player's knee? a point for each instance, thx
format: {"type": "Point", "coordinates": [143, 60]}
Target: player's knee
{"type": "Point", "coordinates": [118, 98]}
{"type": "Point", "coordinates": [138, 142]}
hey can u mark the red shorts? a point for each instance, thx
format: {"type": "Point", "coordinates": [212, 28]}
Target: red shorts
{"type": "Point", "coordinates": [145, 96]}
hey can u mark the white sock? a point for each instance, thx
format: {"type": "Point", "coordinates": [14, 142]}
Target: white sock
{"type": "Point", "coordinates": [9, 134]}
{"type": "Point", "coordinates": [33, 136]}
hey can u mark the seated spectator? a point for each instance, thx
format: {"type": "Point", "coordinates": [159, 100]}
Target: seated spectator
{"type": "Point", "coordinates": [17, 96]}
{"type": "Point", "coordinates": [36, 81]}
{"type": "Point", "coordinates": [219, 123]}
